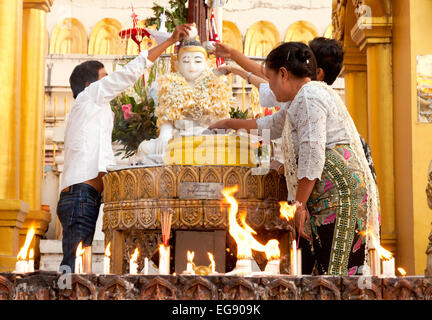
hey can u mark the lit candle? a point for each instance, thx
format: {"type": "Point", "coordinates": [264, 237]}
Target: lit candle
{"type": "Point", "coordinates": [273, 266]}
{"type": "Point", "coordinates": [189, 266]}
{"type": "Point", "coordinates": [87, 260]}
{"type": "Point", "coordinates": [388, 267]}
{"type": "Point", "coordinates": [273, 257]}
{"type": "Point", "coordinates": [133, 265]}
{"type": "Point", "coordinates": [299, 262]}
{"type": "Point", "coordinates": [164, 259]}
{"type": "Point", "coordinates": [107, 259]}
{"type": "Point", "coordinates": [22, 264]}
{"type": "Point", "coordinates": [243, 267]}
{"type": "Point", "coordinates": [294, 257]}
{"type": "Point", "coordinates": [212, 262]}
{"type": "Point", "coordinates": [146, 266]}
{"type": "Point", "coordinates": [402, 271]}
{"type": "Point", "coordinates": [79, 259]}
{"type": "Point", "coordinates": [30, 266]}
{"type": "Point", "coordinates": [375, 262]}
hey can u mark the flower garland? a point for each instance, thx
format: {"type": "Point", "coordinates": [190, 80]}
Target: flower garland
{"type": "Point", "coordinates": [209, 100]}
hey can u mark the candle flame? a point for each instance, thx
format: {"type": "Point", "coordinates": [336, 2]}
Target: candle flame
{"type": "Point", "coordinates": [108, 250]}
{"type": "Point", "coordinates": [383, 253]}
{"type": "Point", "coordinates": [22, 254]}
{"type": "Point", "coordinates": [134, 256]}
{"type": "Point", "coordinates": [287, 211]}
{"type": "Point", "coordinates": [190, 256]}
{"type": "Point", "coordinates": [211, 257]}
{"type": "Point", "coordinates": [243, 234]}
{"type": "Point", "coordinates": [272, 250]}
{"type": "Point", "coordinates": [80, 250]}
{"type": "Point", "coordinates": [31, 254]}
{"type": "Point", "coordinates": [402, 271]}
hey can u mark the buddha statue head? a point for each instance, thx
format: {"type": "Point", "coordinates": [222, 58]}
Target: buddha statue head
{"type": "Point", "coordinates": [192, 60]}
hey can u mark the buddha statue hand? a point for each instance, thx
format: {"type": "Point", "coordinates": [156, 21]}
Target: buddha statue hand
{"type": "Point", "coordinates": [152, 151]}
{"type": "Point", "coordinates": [188, 127]}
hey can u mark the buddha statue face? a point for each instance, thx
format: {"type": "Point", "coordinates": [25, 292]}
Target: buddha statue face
{"type": "Point", "coordinates": [192, 61]}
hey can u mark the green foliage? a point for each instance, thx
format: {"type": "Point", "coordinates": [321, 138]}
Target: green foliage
{"type": "Point", "coordinates": [176, 15]}
{"type": "Point", "coordinates": [238, 114]}
{"type": "Point", "coordinates": [142, 125]}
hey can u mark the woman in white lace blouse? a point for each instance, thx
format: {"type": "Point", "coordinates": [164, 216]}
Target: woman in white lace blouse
{"type": "Point", "coordinates": [326, 170]}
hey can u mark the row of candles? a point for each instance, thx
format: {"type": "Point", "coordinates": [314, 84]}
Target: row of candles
{"type": "Point", "coordinates": [83, 261]}
{"type": "Point", "coordinates": [379, 257]}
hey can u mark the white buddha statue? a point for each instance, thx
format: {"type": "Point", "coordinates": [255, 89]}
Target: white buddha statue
{"type": "Point", "coordinates": [188, 101]}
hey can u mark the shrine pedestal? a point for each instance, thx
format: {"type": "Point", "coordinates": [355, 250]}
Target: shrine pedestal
{"type": "Point", "coordinates": [135, 197]}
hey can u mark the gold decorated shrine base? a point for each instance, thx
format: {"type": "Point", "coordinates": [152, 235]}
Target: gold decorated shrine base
{"type": "Point", "coordinates": [230, 150]}
{"type": "Point", "coordinates": [135, 197]}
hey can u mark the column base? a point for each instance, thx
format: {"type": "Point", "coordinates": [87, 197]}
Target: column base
{"type": "Point", "coordinates": [12, 215]}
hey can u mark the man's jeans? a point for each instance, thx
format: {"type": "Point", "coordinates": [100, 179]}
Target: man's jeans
{"type": "Point", "coordinates": [78, 211]}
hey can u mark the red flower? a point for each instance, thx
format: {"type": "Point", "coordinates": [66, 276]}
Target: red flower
{"type": "Point", "coordinates": [268, 112]}
{"type": "Point", "coordinates": [127, 114]}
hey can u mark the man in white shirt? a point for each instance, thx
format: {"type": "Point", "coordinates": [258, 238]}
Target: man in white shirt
{"type": "Point", "coordinates": [88, 149]}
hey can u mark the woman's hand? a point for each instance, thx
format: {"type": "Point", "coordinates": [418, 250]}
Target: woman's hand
{"type": "Point", "coordinates": [221, 124]}
{"type": "Point", "coordinates": [223, 50]}
{"type": "Point", "coordinates": [180, 32]}
{"type": "Point", "coordinates": [300, 219]}
{"type": "Point", "coordinates": [231, 69]}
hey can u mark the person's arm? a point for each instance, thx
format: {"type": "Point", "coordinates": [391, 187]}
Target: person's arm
{"type": "Point", "coordinates": [225, 51]}
{"type": "Point", "coordinates": [253, 79]}
{"type": "Point", "coordinates": [304, 190]}
{"type": "Point", "coordinates": [235, 124]}
{"type": "Point", "coordinates": [275, 122]}
{"type": "Point", "coordinates": [107, 88]}
{"type": "Point", "coordinates": [312, 136]}
{"type": "Point", "coordinates": [177, 35]}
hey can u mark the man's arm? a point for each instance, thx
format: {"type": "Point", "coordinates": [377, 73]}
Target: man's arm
{"type": "Point", "coordinates": [179, 32]}
{"type": "Point", "coordinates": [225, 51]}
{"type": "Point", "coordinates": [107, 88]}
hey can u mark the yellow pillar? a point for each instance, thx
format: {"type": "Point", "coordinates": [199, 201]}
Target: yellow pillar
{"type": "Point", "coordinates": [12, 209]}
{"type": "Point", "coordinates": [413, 139]}
{"type": "Point", "coordinates": [380, 108]}
{"type": "Point", "coordinates": [373, 35]}
{"type": "Point", "coordinates": [34, 40]}
{"type": "Point", "coordinates": [354, 71]}
{"type": "Point", "coordinates": [355, 76]}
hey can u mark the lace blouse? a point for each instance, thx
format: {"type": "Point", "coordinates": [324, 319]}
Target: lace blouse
{"type": "Point", "coordinates": [315, 125]}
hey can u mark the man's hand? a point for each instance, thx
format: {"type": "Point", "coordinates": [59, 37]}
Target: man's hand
{"type": "Point", "coordinates": [180, 32]}
{"type": "Point", "coordinates": [223, 51]}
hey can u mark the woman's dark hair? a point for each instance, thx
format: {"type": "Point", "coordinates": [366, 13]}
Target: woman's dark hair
{"type": "Point", "coordinates": [85, 72]}
{"type": "Point", "coordinates": [296, 57]}
{"type": "Point", "coordinates": [329, 56]}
